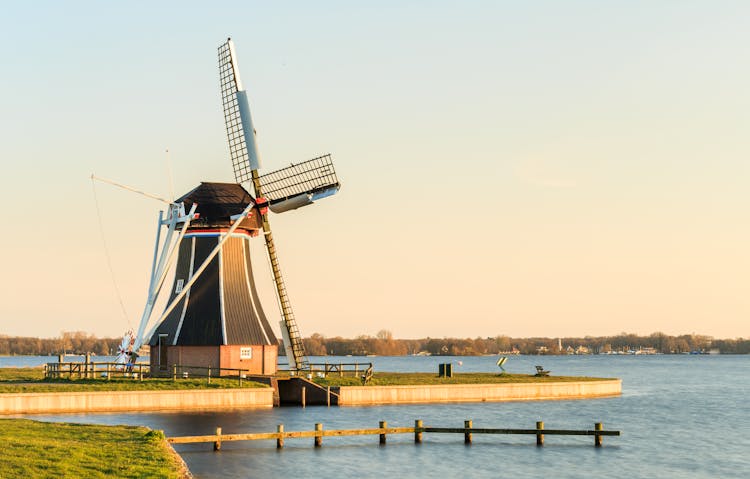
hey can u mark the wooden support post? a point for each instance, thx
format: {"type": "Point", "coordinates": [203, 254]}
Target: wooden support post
{"type": "Point", "coordinates": [174, 372]}
{"type": "Point", "coordinates": [598, 438]}
{"type": "Point", "coordinates": [418, 431]}
{"type": "Point", "coordinates": [280, 439]}
{"type": "Point", "coordinates": [341, 370]}
{"type": "Point", "coordinates": [382, 425]}
{"type": "Point", "coordinates": [539, 436]}
{"type": "Point", "coordinates": [318, 437]}
{"type": "Point", "coordinates": [304, 390]}
{"type": "Point", "coordinates": [328, 396]}
{"type": "Point", "coordinates": [217, 443]}
{"type": "Point", "coordinates": [467, 434]}
{"type": "Point", "coordinates": [209, 374]}
{"type": "Point", "coordinates": [108, 372]}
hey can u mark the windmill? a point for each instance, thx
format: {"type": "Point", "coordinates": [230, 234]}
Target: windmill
{"type": "Point", "coordinates": [214, 313]}
{"type": "Point", "coordinates": [286, 189]}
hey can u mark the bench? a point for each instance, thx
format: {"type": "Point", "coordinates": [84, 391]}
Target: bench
{"type": "Point", "coordinates": [541, 372]}
{"type": "Point", "coordinates": [367, 376]}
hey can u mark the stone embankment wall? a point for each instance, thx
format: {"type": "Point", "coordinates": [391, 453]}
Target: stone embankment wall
{"type": "Point", "coordinates": [372, 395]}
{"type": "Point", "coordinates": [105, 401]}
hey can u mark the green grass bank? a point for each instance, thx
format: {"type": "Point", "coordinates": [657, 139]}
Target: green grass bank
{"type": "Point", "coordinates": [34, 449]}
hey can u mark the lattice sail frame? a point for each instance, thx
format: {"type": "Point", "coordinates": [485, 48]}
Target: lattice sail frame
{"type": "Point", "coordinates": [313, 177]}
{"type": "Point", "coordinates": [233, 116]}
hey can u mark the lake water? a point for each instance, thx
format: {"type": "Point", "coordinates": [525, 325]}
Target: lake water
{"type": "Point", "coordinates": [680, 416]}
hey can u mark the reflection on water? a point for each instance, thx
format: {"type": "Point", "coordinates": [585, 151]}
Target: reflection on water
{"type": "Point", "coordinates": [674, 415]}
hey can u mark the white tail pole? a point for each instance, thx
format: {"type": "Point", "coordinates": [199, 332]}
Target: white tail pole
{"type": "Point", "coordinates": [159, 274]}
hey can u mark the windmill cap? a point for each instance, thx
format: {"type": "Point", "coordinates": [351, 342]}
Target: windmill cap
{"type": "Point", "coordinates": [218, 202]}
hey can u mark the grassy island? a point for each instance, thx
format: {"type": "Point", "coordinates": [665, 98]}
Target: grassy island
{"type": "Point", "coordinates": [37, 449]}
{"type": "Point", "coordinates": [32, 380]}
{"type": "Point", "coordinates": [417, 379]}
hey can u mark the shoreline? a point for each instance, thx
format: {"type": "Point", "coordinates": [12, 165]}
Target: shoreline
{"type": "Point", "coordinates": [349, 396]}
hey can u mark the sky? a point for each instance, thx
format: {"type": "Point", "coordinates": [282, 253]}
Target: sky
{"type": "Point", "coordinates": [520, 168]}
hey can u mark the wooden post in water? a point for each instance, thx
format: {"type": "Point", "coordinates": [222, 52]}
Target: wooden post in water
{"type": "Point", "coordinates": [280, 439]}
{"type": "Point", "coordinates": [304, 390]}
{"type": "Point", "coordinates": [418, 431]}
{"type": "Point", "coordinates": [539, 436]}
{"type": "Point", "coordinates": [217, 443]}
{"type": "Point", "coordinates": [467, 434]}
{"type": "Point", "coordinates": [382, 425]}
{"type": "Point", "coordinates": [328, 396]}
{"type": "Point", "coordinates": [318, 437]}
{"type": "Point", "coordinates": [598, 438]}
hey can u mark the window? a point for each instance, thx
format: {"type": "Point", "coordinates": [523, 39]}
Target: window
{"type": "Point", "coordinates": [246, 353]}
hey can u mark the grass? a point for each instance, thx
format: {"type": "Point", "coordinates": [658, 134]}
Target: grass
{"type": "Point", "coordinates": [412, 379]}
{"type": "Point", "coordinates": [31, 380]}
{"type": "Point", "coordinates": [37, 449]}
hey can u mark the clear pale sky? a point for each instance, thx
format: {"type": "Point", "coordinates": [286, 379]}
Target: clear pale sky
{"type": "Point", "coordinates": [520, 168]}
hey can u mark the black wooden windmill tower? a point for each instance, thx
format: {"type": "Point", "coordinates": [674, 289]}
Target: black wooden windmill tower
{"type": "Point", "coordinates": [214, 315]}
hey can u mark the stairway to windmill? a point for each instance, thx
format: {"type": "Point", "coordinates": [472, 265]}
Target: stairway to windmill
{"type": "Point", "coordinates": [213, 315]}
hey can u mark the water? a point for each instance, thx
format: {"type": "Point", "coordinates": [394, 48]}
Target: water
{"type": "Point", "coordinates": [680, 416]}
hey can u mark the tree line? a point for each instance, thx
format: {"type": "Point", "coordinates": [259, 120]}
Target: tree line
{"type": "Point", "coordinates": [384, 344]}
{"type": "Point", "coordinates": [69, 342]}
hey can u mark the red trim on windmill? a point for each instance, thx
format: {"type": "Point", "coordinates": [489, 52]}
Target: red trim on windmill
{"type": "Point", "coordinates": [262, 205]}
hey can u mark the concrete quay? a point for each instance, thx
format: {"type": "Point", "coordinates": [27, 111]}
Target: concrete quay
{"type": "Point", "coordinates": [424, 394]}
{"type": "Point", "coordinates": [114, 401]}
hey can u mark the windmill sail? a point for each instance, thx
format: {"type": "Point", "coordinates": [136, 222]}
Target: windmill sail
{"type": "Point", "coordinates": [243, 149]}
{"type": "Point", "coordinates": [285, 189]}
{"type": "Point", "coordinates": [243, 145]}
{"type": "Point", "coordinates": [300, 185]}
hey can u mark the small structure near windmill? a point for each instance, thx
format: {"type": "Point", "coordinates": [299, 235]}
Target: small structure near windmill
{"type": "Point", "coordinates": [214, 316]}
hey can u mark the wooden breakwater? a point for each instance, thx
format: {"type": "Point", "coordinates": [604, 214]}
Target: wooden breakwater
{"type": "Point", "coordinates": [419, 429]}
